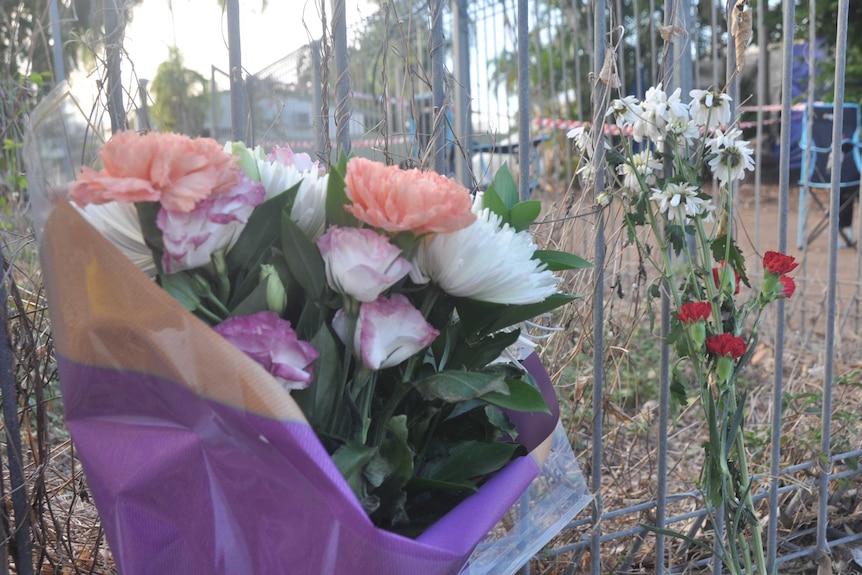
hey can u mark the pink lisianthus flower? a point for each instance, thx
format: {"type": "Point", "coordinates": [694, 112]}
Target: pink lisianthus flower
{"type": "Point", "coordinates": [271, 342]}
{"type": "Point", "coordinates": [190, 238]}
{"type": "Point", "coordinates": [361, 263]}
{"type": "Point", "coordinates": [157, 167]}
{"type": "Point", "coordinates": [397, 200]}
{"type": "Point", "coordinates": [286, 156]}
{"type": "Point", "coordinates": [388, 331]}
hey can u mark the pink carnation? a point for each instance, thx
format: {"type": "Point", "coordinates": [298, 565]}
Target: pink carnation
{"type": "Point", "coordinates": [157, 167]}
{"type": "Point", "coordinates": [397, 200]}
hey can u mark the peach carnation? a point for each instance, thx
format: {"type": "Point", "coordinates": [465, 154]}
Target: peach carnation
{"type": "Point", "coordinates": [397, 200]}
{"type": "Point", "coordinates": [169, 168]}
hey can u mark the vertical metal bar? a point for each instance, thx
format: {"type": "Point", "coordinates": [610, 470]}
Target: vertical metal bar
{"type": "Point", "coordinates": [667, 72]}
{"type": "Point", "coordinates": [144, 110]}
{"type": "Point", "coordinates": [653, 61]}
{"type": "Point", "coordinates": [639, 87]}
{"type": "Point", "coordinates": [14, 451]}
{"type": "Point", "coordinates": [342, 75]}
{"type": "Point", "coordinates": [783, 208]}
{"type": "Point", "coordinates": [57, 38]}
{"type": "Point", "coordinates": [319, 121]}
{"type": "Point", "coordinates": [238, 112]}
{"type": "Point", "coordinates": [438, 88]}
{"type": "Point", "coordinates": [713, 22]}
{"type": "Point", "coordinates": [831, 289]}
{"type": "Point", "coordinates": [682, 51]}
{"type": "Point", "coordinates": [600, 27]}
{"type": "Point", "coordinates": [762, 56]}
{"type": "Point", "coordinates": [524, 143]}
{"type": "Point", "coordinates": [113, 44]}
{"type": "Point", "coordinates": [576, 10]}
{"type": "Point", "coordinates": [621, 54]}
{"type": "Point", "coordinates": [463, 111]}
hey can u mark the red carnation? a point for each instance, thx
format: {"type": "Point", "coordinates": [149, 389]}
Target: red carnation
{"type": "Point", "coordinates": [694, 311]}
{"type": "Point", "coordinates": [726, 344]}
{"type": "Point", "coordinates": [778, 263]}
{"type": "Point", "coordinates": [788, 286]}
{"type": "Point", "coordinates": [717, 278]}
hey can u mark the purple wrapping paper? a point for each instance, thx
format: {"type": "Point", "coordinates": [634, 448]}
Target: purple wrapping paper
{"type": "Point", "coordinates": [198, 461]}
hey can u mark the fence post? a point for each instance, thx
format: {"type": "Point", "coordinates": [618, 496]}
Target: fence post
{"type": "Point", "coordinates": [342, 82]}
{"type": "Point", "coordinates": [56, 36]}
{"type": "Point", "coordinates": [438, 89]}
{"type": "Point", "coordinates": [524, 143]}
{"type": "Point", "coordinates": [783, 201]}
{"type": "Point", "coordinates": [463, 109]}
{"type": "Point", "coordinates": [14, 451]}
{"type": "Point", "coordinates": [600, 28]}
{"type": "Point", "coordinates": [113, 42]}
{"type": "Point", "coordinates": [238, 113]}
{"type": "Point", "coordinates": [319, 121]}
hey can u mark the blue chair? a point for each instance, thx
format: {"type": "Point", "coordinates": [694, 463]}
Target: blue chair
{"type": "Point", "coordinates": [816, 169]}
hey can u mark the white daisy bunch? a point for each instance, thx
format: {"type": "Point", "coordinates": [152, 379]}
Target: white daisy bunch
{"type": "Point", "coordinates": [665, 147]}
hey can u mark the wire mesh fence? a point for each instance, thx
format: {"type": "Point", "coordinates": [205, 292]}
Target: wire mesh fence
{"type": "Point", "coordinates": [406, 98]}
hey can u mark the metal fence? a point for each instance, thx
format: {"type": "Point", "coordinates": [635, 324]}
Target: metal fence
{"type": "Point", "coordinates": [460, 87]}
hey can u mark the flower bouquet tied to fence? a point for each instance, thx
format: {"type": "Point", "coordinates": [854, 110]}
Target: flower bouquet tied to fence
{"type": "Point", "coordinates": [317, 368]}
{"type": "Point", "coordinates": [673, 170]}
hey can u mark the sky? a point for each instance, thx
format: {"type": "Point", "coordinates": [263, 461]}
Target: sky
{"type": "Point", "coordinates": [199, 29]}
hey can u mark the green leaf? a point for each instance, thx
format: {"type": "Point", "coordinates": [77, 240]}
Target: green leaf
{"type": "Point", "coordinates": [479, 354]}
{"type": "Point", "coordinates": [253, 303]}
{"type": "Point", "coordinates": [523, 214]}
{"type": "Point", "coordinates": [147, 213]}
{"type": "Point", "coordinates": [492, 201]}
{"type": "Point", "coordinates": [454, 386]}
{"type": "Point", "coordinates": [262, 231]}
{"type": "Point", "coordinates": [470, 459]}
{"type": "Point", "coordinates": [319, 399]}
{"type": "Point", "coordinates": [246, 161]}
{"type": "Point", "coordinates": [501, 421]}
{"type": "Point", "coordinates": [482, 318]}
{"type": "Point", "coordinates": [396, 449]}
{"type": "Point", "coordinates": [336, 197]}
{"type": "Point", "coordinates": [521, 397]}
{"type": "Point", "coordinates": [730, 254]}
{"type": "Point", "coordinates": [505, 188]}
{"type": "Point", "coordinates": [303, 258]}
{"type": "Point", "coordinates": [560, 261]}
{"type": "Point", "coordinates": [181, 287]}
{"type": "Point", "coordinates": [678, 395]}
{"type": "Point", "coordinates": [425, 485]}
{"type": "Point", "coordinates": [351, 459]}
{"type": "Point", "coordinates": [676, 235]}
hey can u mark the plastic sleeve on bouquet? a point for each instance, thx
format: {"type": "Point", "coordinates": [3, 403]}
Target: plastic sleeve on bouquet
{"type": "Point", "coordinates": [198, 460]}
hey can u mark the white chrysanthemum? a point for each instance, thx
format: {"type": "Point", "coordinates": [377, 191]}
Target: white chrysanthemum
{"type": "Point", "coordinates": [309, 207]}
{"type": "Point", "coordinates": [732, 155]}
{"type": "Point", "coordinates": [623, 111]}
{"type": "Point", "coordinates": [724, 139]}
{"type": "Point", "coordinates": [581, 138]}
{"type": "Point", "coordinates": [683, 128]}
{"type": "Point", "coordinates": [644, 163]}
{"type": "Point", "coordinates": [680, 202]}
{"type": "Point", "coordinates": [658, 110]}
{"type": "Point", "coordinates": [486, 261]}
{"type": "Point", "coordinates": [587, 173]}
{"type": "Point", "coordinates": [119, 223]}
{"type": "Point", "coordinates": [710, 108]}
{"type": "Point", "coordinates": [731, 162]}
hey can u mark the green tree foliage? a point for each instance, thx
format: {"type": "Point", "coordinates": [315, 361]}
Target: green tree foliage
{"type": "Point", "coordinates": [181, 97]}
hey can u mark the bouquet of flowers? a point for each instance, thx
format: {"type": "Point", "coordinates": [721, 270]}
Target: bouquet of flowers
{"type": "Point", "coordinates": [264, 364]}
{"type": "Point", "coordinates": [659, 169]}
